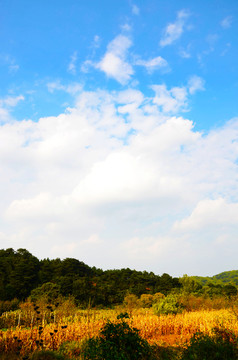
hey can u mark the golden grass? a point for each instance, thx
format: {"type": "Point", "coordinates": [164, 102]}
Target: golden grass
{"type": "Point", "coordinates": [173, 330]}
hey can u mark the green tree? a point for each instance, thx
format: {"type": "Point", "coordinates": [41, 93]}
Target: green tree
{"type": "Point", "coordinates": [49, 292]}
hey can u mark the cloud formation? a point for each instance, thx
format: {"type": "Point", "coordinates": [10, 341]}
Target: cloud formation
{"type": "Point", "coordinates": [122, 174]}
{"type": "Point", "coordinates": [173, 31]}
{"type": "Point", "coordinates": [153, 64]}
{"type": "Point", "coordinates": [6, 105]}
{"type": "Point", "coordinates": [195, 84]}
{"type": "Point", "coordinates": [114, 63]}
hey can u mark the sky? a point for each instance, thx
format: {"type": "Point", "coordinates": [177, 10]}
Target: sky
{"type": "Point", "coordinates": [119, 133]}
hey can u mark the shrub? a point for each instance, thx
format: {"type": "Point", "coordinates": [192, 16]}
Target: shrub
{"type": "Point", "coordinates": [117, 341]}
{"type": "Point", "coordinates": [71, 349]}
{"type": "Point", "coordinates": [130, 302]}
{"type": "Point", "coordinates": [146, 300]}
{"type": "Point", "coordinates": [221, 346]}
{"type": "Point", "coordinates": [168, 305]}
{"type": "Point", "coordinates": [8, 305]}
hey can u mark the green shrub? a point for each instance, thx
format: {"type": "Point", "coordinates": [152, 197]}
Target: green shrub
{"type": "Point", "coordinates": [117, 341]}
{"type": "Point", "coordinates": [168, 305]}
{"type": "Point", "coordinates": [221, 346]}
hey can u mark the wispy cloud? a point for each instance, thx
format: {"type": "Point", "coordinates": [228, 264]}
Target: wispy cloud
{"type": "Point", "coordinates": [135, 10]}
{"type": "Point", "coordinates": [153, 64]}
{"type": "Point", "coordinates": [173, 31]}
{"type": "Point", "coordinates": [6, 105]}
{"type": "Point", "coordinates": [72, 88]}
{"type": "Point", "coordinates": [13, 67]}
{"type": "Point", "coordinates": [185, 52]}
{"type": "Point", "coordinates": [72, 64]}
{"type": "Point", "coordinates": [96, 41]}
{"type": "Point", "coordinates": [226, 22]}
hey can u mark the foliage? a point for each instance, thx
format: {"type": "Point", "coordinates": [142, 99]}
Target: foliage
{"type": "Point", "coordinates": [221, 346]}
{"type": "Point", "coordinates": [117, 341]}
{"type": "Point", "coordinates": [22, 275]}
{"type": "Point", "coordinates": [18, 273]}
{"type": "Point", "coordinates": [226, 277]}
{"type": "Point", "coordinates": [168, 305]}
{"type": "Point", "coordinates": [131, 302]}
{"type": "Point", "coordinates": [146, 300]}
{"type": "Point", "coordinates": [49, 292]}
{"type": "Point", "coordinates": [189, 284]}
{"type": "Point", "coordinates": [8, 305]}
{"type": "Point", "coordinates": [71, 349]}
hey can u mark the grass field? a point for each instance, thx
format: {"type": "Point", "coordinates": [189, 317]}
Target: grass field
{"type": "Point", "coordinates": [165, 330]}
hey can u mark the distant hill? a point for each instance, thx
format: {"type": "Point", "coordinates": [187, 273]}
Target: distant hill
{"type": "Point", "coordinates": [226, 277]}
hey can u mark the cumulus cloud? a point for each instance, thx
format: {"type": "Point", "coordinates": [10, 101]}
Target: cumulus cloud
{"type": "Point", "coordinates": [210, 213]}
{"type": "Point", "coordinates": [114, 63]}
{"type": "Point", "coordinates": [173, 31]}
{"type": "Point", "coordinates": [121, 174]}
{"type": "Point", "coordinates": [170, 101]}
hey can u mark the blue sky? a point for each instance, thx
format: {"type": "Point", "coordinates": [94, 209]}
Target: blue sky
{"type": "Point", "coordinates": [118, 132]}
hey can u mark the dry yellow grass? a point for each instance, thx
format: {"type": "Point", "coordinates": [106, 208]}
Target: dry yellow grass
{"type": "Point", "coordinates": [172, 330]}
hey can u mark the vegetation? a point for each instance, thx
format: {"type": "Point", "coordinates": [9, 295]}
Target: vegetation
{"type": "Point", "coordinates": [222, 345]}
{"type": "Point", "coordinates": [73, 311]}
{"type": "Point", "coordinates": [117, 341]}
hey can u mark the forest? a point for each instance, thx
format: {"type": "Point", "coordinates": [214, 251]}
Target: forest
{"type": "Point", "coordinates": [23, 275]}
{"type": "Point", "coordinates": [65, 309]}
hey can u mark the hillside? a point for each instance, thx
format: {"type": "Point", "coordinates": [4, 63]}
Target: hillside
{"type": "Point", "coordinates": [226, 277]}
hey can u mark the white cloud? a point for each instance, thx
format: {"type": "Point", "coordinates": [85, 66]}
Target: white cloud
{"type": "Point", "coordinates": [6, 105]}
{"type": "Point", "coordinates": [210, 213]}
{"type": "Point", "coordinates": [118, 175]}
{"type": "Point", "coordinates": [173, 31]}
{"type": "Point", "coordinates": [153, 64]}
{"type": "Point", "coordinates": [87, 64]}
{"type": "Point", "coordinates": [170, 101]}
{"type": "Point", "coordinates": [226, 22]}
{"type": "Point", "coordinates": [72, 88]}
{"type": "Point", "coordinates": [114, 62]}
{"type": "Point", "coordinates": [11, 101]}
{"type": "Point", "coordinates": [126, 27]}
{"type": "Point", "coordinates": [195, 84]}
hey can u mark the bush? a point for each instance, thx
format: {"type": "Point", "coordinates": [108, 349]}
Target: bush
{"type": "Point", "coordinates": [221, 346]}
{"type": "Point", "coordinates": [117, 341]}
{"type": "Point", "coordinates": [71, 349]}
{"type": "Point", "coordinates": [9, 305]}
{"type": "Point", "coordinates": [168, 305]}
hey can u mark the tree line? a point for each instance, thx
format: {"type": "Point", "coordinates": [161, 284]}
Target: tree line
{"type": "Point", "coordinates": [23, 275]}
